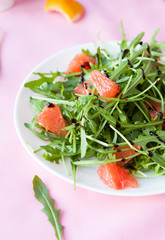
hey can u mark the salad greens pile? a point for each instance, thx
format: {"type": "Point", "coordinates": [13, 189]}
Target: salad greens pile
{"type": "Point", "coordinates": [94, 125]}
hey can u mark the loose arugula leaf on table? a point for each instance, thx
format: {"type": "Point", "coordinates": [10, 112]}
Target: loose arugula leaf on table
{"type": "Point", "coordinates": [42, 195]}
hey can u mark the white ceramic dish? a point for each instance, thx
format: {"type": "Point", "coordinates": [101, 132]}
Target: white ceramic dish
{"type": "Point", "coordinates": [86, 177]}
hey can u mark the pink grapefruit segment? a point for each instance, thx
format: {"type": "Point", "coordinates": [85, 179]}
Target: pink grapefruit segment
{"type": "Point", "coordinates": [123, 154]}
{"type": "Point", "coordinates": [52, 120]}
{"type": "Point", "coordinates": [78, 61]}
{"type": "Point", "coordinates": [83, 89]}
{"type": "Point", "coordinates": [105, 86]}
{"type": "Point", "coordinates": [116, 177]}
{"type": "Point", "coordinates": [153, 109]}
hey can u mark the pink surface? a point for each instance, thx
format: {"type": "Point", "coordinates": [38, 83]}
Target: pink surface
{"type": "Point", "coordinates": [31, 35]}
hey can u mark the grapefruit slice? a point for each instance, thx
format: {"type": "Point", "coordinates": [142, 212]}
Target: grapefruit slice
{"type": "Point", "coordinates": [155, 110]}
{"type": "Point", "coordinates": [71, 9]}
{"type": "Point", "coordinates": [116, 177]}
{"type": "Point", "coordinates": [105, 86]}
{"type": "Point", "coordinates": [83, 89]}
{"type": "Point", "coordinates": [80, 60]}
{"type": "Point", "coordinates": [128, 153]}
{"type": "Point", "coordinates": [52, 120]}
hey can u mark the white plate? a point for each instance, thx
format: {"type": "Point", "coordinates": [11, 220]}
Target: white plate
{"type": "Point", "coordinates": [86, 177]}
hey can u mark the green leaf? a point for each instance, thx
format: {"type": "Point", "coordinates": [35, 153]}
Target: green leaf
{"type": "Point", "coordinates": [55, 101]}
{"type": "Point", "coordinates": [37, 104]}
{"type": "Point", "coordinates": [42, 195]}
{"type": "Point", "coordinates": [68, 85]}
{"type": "Point", "coordinates": [146, 138]}
{"type": "Point", "coordinates": [134, 83]}
{"type": "Point", "coordinates": [43, 92]}
{"type": "Point", "coordinates": [43, 78]}
{"type": "Point", "coordinates": [158, 159]}
{"type": "Point", "coordinates": [83, 140]}
{"type": "Point", "coordinates": [86, 51]}
{"type": "Point", "coordinates": [123, 44]}
{"type": "Point", "coordinates": [136, 40]}
{"type": "Point", "coordinates": [154, 36]}
{"type": "Point", "coordinates": [74, 168]}
{"type": "Point", "coordinates": [92, 125]}
{"type": "Point", "coordinates": [98, 58]}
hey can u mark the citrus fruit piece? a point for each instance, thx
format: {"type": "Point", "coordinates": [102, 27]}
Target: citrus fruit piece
{"type": "Point", "coordinates": [157, 63]}
{"type": "Point", "coordinates": [83, 88]}
{"type": "Point", "coordinates": [105, 86]}
{"type": "Point", "coordinates": [52, 120]}
{"type": "Point", "coordinates": [80, 60]}
{"type": "Point", "coordinates": [155, 109]}
{"type": "Point", "coordinates": [123, 154]}
{"type": "Point", "coordinates": [116, 177]}
{"type": "Point", "coordinates": [71, 9]}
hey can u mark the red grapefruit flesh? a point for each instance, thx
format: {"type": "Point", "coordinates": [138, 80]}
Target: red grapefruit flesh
{"type": "Point", "coordinates": [157, 64]}
{"type": "Point", "coordinates": [154, 110]}
{"type": "Point", "coordinates": [78, 61]}
{"type": "Point", "coordinates": [124, 154]}
{"type": "Point", "coordinates": [52, 120]}
{"type": "Point", "coordinates": [116, 177]}
{"type": "Point", "coordinates": [105, 86]}
{"type": "Point", "coordinates": [83, 89]}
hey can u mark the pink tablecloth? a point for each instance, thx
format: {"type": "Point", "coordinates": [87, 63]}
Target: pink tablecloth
{"type": "Point", "coordinates": [30, 35]}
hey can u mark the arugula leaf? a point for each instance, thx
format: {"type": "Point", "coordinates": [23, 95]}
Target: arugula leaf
{"type": "Point", "coordinates": [83, 140]}
{"type": "Point", "coordinates": [43, 79]}
{"type": "Point", "coordinates": [123, 44]}
{"type": "Point", "coordinates": [87, 52]}
{"type": "Point", "coordinates": [55, 101]}
{"type": "Point", "coordinates": [146, 138]}
{"type": "Point", "coordinates": [74, 168]}
{"type": "Point", "coordinates": [158, 159]}
{"type": "Point", "coordinates": [154, 36]}
{"type": "Point", "coordinates": [37, 104]}
{"type": "Point", "coordinates": [42, 195]}
{"type": "Point", "coordinates": [136, 40]}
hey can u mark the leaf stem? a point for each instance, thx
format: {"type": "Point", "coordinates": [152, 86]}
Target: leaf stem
{"type": "Point", "coordinates": [124, 138]}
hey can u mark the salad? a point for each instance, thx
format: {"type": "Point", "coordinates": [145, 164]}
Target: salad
{"type": "Point", "coordinates": [105, 110]}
